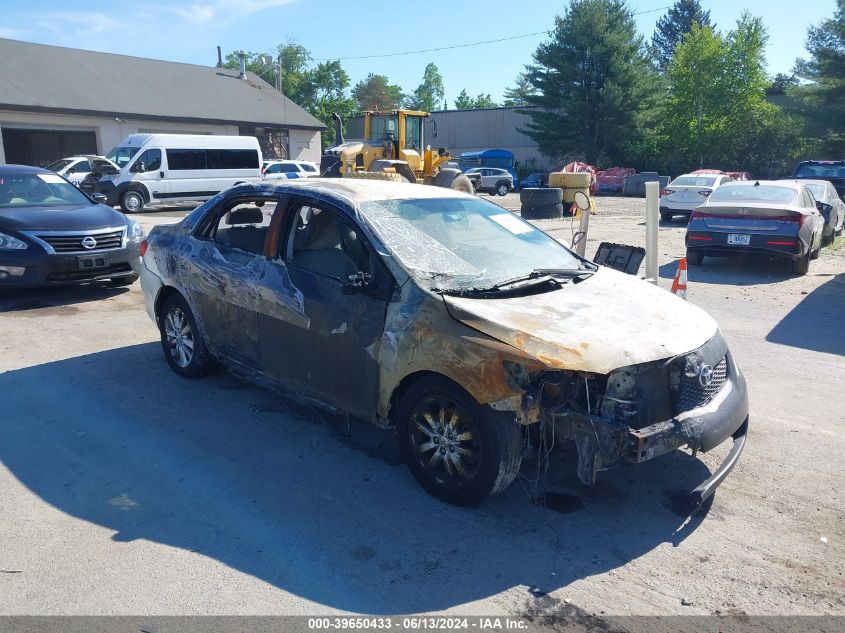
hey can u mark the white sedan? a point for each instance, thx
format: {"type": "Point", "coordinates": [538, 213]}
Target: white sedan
{"type": "Point", "coordinates": [688, 192]}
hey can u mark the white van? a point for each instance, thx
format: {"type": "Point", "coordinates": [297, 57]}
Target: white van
{"type": "Point", "coordinates": [156, 168]}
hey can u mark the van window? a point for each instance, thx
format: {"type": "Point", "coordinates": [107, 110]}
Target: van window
{"type": "Point", "coordinates": [184, 159]}
{"type": "Point", "coordinates": [121, 155]}
{"type": "Point", "coordinates": [151, 159]}
{"type": "Point", "coordinates": [307, 167]}
{"type": "Point", "coordinates": [232, 158]}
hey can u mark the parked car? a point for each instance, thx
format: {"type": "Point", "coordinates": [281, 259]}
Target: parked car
{"type": "Point", "coordinates": [51, 233]}
{"type": "Point", "coordinates": [687, 192]}
{"type": "Point", "coordinates": [490, 180]}
{"type": "Point", "coordinates": [832, 206]}
{"type": "Point", "coordinates": [75, 169]}
{"type": "Point", "coordinates": [288, 169]}
{"type": "Point", "coordinates": [831, 170]}
{"type": "Point", "coordinates": [535, 180]}
{"type": "Point", "coordinates": [764, 217]}
{"type": "Point", "coordinates": [446, 318]}
{"type": "Point", "coordinates": [156, 168]}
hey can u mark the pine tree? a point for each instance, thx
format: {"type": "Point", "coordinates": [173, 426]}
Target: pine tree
{"type": "Point", "coordinates": [672, 27]}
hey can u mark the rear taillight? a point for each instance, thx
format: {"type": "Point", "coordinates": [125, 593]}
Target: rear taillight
{"type": "Point", "coordinates": [696, 215]}
{"type": "Point", "coordinates": [666, 192]}
{"type": "Point", "coordinates": [699, 238]}
{"type": "Point", "coordinates": [705, 192]}
{"type": "Point", "coordinates": [142, 248]}
{"type": "Point", "coordinates": [781, 242]}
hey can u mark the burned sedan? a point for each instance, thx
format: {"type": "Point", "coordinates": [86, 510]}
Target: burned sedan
{"type": "Point", "coordinates": [446, 318]}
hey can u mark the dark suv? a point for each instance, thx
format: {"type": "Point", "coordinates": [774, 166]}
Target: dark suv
{"type": "Point", "coordinates": [830, 170]}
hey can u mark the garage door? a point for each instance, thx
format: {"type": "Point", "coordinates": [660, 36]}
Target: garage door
{"type": "Point", "coordinates": [42, 147]}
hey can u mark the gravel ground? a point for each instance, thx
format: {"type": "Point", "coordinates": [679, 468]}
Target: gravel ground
{"type": "Point", "coordinates": [131, 491]}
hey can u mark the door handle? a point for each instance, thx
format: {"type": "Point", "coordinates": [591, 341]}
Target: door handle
{"type": "Point", "coordinates": [161, 173]}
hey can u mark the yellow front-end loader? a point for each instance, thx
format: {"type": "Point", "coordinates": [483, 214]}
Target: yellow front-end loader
{"type": "Point", "coordinates": [392, 148]}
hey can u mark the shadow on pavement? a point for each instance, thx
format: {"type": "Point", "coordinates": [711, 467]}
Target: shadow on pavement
{"type": "Point", "coordinates": [817, 322]}
{"type": "Point", "coordinates": [52, 297]}
{"type": "Point", "coordinates": [233, 472]}
{"type": "Point", "coordinates": [738, 270]}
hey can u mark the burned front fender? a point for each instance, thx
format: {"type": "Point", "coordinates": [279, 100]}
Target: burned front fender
{"type": "Point", "coordinates": [421, 337]}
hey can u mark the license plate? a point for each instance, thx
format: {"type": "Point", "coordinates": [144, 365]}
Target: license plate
{"type": "Point", "coordinates": [92, 262]}
{"type": "Point", "coordinates": [738, 240]}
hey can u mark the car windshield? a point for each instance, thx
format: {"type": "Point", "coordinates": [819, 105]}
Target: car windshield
{"type": "Point", "coordinates": [463, 243]}
{"type": "Point", "coordinates": [38, 190]}
{"type": "Point", "coordinates": [59, 164]}
{"type": "Point", "coordinates": [121, 155]}
{"type": "Point", "coordinates": [753, 193]}
{"type": "Point", "coordinates": [693, 181]}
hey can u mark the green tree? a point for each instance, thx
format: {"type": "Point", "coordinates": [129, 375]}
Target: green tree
{"type": "Point", "coordinates": [823, 99]}
{"type": "Point", "coordinates": [324, 91]}
{"type": "Point", "coordinates": [717, 114]}
{"type": "Point", "coordinates": [294, 58]}
{"type": "Point", "coordinates": [465, 102]}
{"type": "Point", "coordinates": [672, 27]}
{"type": "Point", "coordinates": [375, 92]}
{"type": "Point", "coordinates": [429, 94]}
{"type": "Point", "coordinates": [592, 81]}
{"type": "Point", "coordinates": [518, 94]}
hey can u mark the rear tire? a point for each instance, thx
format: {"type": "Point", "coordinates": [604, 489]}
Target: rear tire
{"type": "Point", "coordinates": [665, 216]}
{"type": "Point", "coordinates": [801, 266]}
{"type": "Point", "coordinates": [694, 258]}
{"type": "Point", "coordinates": [132, 202]}
{"type": "Point", "coordinates": [502, 189]}
{"type": "Point", "coordinates": [458, 450]}
{"type": "Point", "coordinates": [181, 340]}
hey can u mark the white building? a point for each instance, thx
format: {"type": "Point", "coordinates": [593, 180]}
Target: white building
{"type": "Point", "coordinates": [57, 102]}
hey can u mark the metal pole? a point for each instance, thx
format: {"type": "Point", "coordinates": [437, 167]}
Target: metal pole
{"type": "Point", "coordinates": [652, 209]}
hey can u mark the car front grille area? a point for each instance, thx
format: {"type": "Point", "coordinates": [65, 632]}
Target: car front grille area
{"type": "Point", "coordinates": [693, 394]}
{"type": "Point", "coordinates": [83, 242]}
{"type": "Point", "coordinates": [83, 275]}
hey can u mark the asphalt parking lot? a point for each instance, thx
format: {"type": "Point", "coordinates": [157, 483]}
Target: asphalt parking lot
{"type": "Point", "coordinates": [131, 491]}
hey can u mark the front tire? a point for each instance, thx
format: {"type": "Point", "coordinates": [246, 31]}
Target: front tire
{"type": "Point", "coordinates": [458, 450]}
{"type": "Point", "coordinates": [181, 340]}
{"type": "Point", "coordinates": [132, 202]}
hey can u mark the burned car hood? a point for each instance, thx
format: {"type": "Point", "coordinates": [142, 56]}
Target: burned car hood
{"type": "Point", "coordinates": [60, 218]}
{"type": "Point", "coordinates": [608, 321]}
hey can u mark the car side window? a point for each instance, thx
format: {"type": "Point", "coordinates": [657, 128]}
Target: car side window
{"type": "Point", "coordinates": [273, 169]}
{"type": "Point", "coordinates": [321, 241]}
{"type": "Point", "coordinates": [80, 168]}
{"type": "Point", "coordinates": [243, 224]}
{"type": "Point", "coordinates": [151, 160]}
{"type": "Point", "coordinates": [808, 199]}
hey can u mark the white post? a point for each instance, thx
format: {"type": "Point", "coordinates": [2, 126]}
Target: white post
{"type": "Point", "coordinates": [652, 213]}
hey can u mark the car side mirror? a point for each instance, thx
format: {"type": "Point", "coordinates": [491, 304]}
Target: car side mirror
{"type": "Point", "coordinates": [359, 282]}
{"type": "Point", "coordinates": [99, 197]}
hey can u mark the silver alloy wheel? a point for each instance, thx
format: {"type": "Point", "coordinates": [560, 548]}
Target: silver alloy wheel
{"type": "Point", "coordinates": [446, 444]}
{"type": "Point", "coordinates": [503, 190]}
{"type": "Point", "coordinates": [132, 201]}
{"type": "Point", "coordinates": [180, 337]}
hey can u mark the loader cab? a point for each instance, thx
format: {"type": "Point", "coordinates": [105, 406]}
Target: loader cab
{"type": "Point", "coordinates": [399, 132]}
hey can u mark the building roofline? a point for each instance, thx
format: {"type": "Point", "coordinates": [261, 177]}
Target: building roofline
{"type": "Point", "coordinates": [13, 107]}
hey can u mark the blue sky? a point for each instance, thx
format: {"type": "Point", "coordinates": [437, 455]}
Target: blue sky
{"type": "Point", "coordinates": [189, 31]}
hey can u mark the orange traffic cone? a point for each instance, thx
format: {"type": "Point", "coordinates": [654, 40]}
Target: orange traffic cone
{"type": "Point", "coordinates": [679, 285]}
